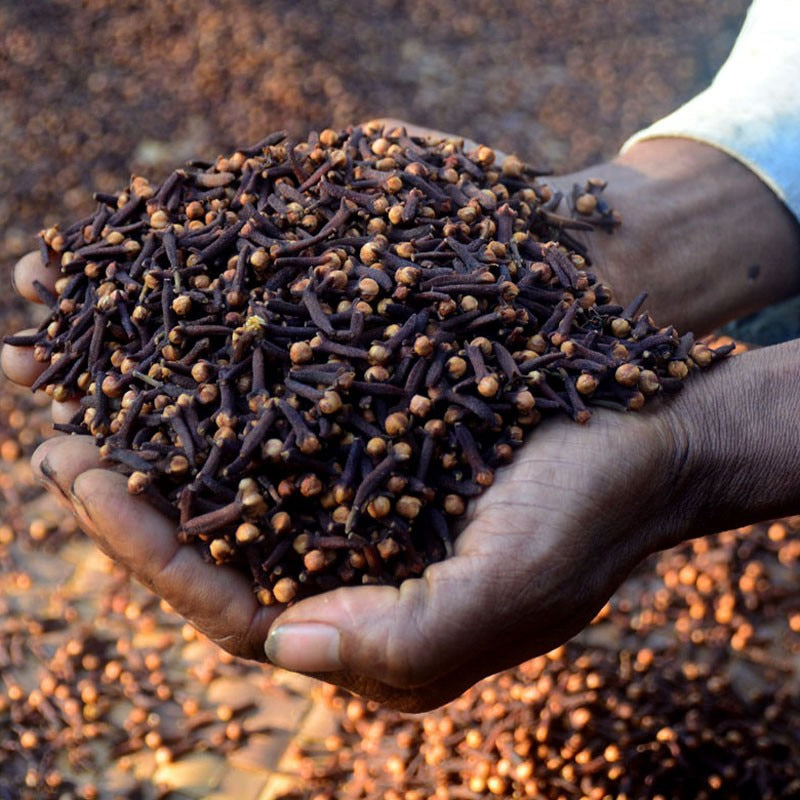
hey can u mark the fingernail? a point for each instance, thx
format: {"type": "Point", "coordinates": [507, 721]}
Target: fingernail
{"type": "Point", "coordinates": [48, 477]}
{"type": "Point", "coordinates": [77, 502]}
{"type": "Point", "coordinates": [48, 473]}
{"type": "Point", "coordinates": [304, 647]}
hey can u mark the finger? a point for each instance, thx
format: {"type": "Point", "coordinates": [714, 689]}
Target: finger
{"type": "Point", "coordinates": [414, 700]}
{"type": "Point", "coordinates": [18, 363]}
{"type": "Point", "coordinates": [19, 366]}
{"type": "Point", "coordinates": [64, 411]}
{"type": "Point", "coordinates": [217, 600]}
{"type": "Point", "coordinates": [58, 461]}
{"type": "Point", "coordinates": [419, 131]}
{"type": "Point", "coordinates": [30, 269]}
{"type": "Point", "coordinates": [402, 637]}
{"type": "Point", "coordinates": [423, 132]}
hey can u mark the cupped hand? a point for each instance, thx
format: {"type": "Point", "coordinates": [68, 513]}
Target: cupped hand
{"type": "Point", "coordinates": [219, 602]}
{"type": "Point", "coordinates": [542, 551]}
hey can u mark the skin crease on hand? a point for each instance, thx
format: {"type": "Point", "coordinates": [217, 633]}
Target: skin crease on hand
{"type": "Point", "coordinates": [542, 550]}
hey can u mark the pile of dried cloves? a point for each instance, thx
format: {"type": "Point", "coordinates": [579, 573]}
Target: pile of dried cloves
{"type": "Point", "coordinates": [313, 353]}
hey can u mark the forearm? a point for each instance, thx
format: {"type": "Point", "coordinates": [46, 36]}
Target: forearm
{"type": "Point", "coordinates": [716, 238]}
{"type": "Point", "coordinates": [737, 442]}
{"type": "Point", "coordinates": [701, 234]}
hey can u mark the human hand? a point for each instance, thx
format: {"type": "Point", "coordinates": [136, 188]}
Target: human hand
{"type": "Point", "coordinates": [542, 551]}
{"type": "Point", "coordinates": [137, 536]}
{"type": "Point", "coordinates": [683, 239]}
{"type": "Point", "coordinates": [529, 571]}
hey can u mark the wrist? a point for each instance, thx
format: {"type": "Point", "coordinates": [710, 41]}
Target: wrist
{"type": "Point", "coordinates": [735, 443]}
{"type": "Point", "coordinates": [701, 234]}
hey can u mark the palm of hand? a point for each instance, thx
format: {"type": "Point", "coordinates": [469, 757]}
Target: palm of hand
{"type": "Point", "coordinates": [543, 550]}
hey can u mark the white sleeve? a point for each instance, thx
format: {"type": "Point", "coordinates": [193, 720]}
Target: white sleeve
{"type": "Point", "coordinates": [752, 108]}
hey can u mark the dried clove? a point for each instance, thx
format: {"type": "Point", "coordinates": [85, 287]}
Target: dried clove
{"type": "Point", "coordinates": [336, 338]}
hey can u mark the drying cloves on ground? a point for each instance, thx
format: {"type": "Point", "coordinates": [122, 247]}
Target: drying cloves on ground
{"type": "Point", "coordinates": [312, 354]}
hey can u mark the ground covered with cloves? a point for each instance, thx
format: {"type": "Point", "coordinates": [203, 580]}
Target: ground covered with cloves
{"type": "Point", "coordinates": [685, 683]}
{"type": "Point", "coordinates": [667, 694]}
{"type": "Point", "coordinates": [693, 668]}
{"type": "Point", "coordinates": [313, 354]}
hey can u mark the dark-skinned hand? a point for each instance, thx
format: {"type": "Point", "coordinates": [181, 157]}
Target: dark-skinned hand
{"type": "Point", "coordinates": [541, 551]}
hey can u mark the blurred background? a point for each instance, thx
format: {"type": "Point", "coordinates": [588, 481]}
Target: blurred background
{"type": "Point", "coordinates": [692, 669]}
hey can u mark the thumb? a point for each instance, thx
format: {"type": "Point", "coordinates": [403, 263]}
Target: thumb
{"type": "Point", "coordinates": [402, 637]}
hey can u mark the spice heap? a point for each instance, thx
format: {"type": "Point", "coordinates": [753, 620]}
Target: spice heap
{"type": "Point", "coordinates": [314, 353]}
